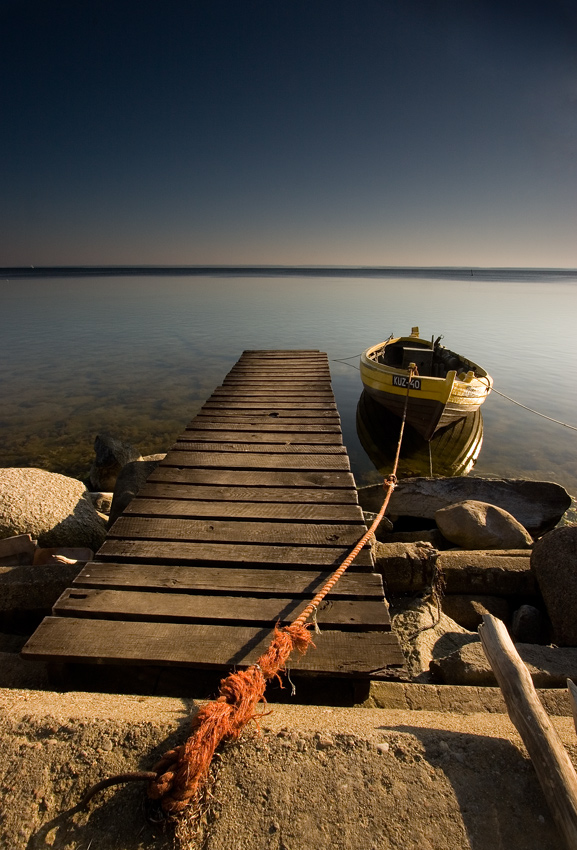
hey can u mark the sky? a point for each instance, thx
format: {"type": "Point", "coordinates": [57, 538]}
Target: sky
{"type": "Point", "coordinates": [291, 132]}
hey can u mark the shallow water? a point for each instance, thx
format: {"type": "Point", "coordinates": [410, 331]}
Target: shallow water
{"type": "Point", "coordinates": [138, 355]}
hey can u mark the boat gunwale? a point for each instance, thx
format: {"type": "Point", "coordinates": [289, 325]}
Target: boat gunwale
{"type": "Point", "coordinates": [368, 359]}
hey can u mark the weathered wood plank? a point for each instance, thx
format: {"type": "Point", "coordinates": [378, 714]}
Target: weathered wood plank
{"type": "Point", "coordinates": [247, 404]}
{"type": "Point", "coordinates": [254, 478]}
{"type": "Point", "coordinates": [244, 510]}
{"type": "Point", "coordinates": [160, 577]}
{"type": "Point", "coordinates": [257, 447]}
{"type": "Point", "coordinates": [71, 639]}
{"type": "Point", "coordinates": [232, 553]}
{"type": "Point", "coordinates": [275, 392]}
{"type": "Point", "coordinates": [281, 383]}
{"type": "Point", "coordinates": [148, 606]}
{"type": "Point", "coordinates": [247, 460]}
{"type": "Point", "coordinates": [252, 436]}
{"type": "Point", "coordinates": [230, 531]}
{"type": "Point", "coordinates": [295, 417]}
{"type": "Point", "coordinates": [326, 498]}
{"type": "Point", "coordinates": [265, 426]}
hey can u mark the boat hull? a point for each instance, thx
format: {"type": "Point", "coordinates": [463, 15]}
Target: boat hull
{"type": "Point", "coordinates": [433, 402]}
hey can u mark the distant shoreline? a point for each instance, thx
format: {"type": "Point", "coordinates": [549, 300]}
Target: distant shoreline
{"type": "Point", "coordinates": [432, 272]}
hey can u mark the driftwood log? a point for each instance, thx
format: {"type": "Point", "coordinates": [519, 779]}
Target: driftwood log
{"type": "Point", "coordinates": [552, 765]}
{"type": "Point", "coordinates": [572, 689]}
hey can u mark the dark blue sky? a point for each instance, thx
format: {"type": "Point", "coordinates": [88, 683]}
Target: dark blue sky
{"type": "Point", "coordinates": [288, 131]}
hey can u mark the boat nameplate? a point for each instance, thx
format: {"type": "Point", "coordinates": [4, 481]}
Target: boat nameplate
{"type": "Point", "coordinates": [401, 381]}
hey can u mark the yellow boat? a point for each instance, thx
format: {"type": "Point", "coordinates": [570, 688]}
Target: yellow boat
{"type": "Point", "coordinates": [445, 386]}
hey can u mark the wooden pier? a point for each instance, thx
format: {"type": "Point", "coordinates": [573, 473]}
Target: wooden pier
{"type": "Point", "coordinates": [235, 530]}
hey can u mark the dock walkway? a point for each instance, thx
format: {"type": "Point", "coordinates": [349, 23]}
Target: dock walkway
{"type": "Point", "coordinates": [235, 530]}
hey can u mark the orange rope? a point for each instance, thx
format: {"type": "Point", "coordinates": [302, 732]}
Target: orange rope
{"type": "Point", "coordinates": [182, 772]}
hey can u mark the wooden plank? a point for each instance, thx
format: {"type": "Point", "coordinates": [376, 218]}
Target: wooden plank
{"type": "Point", "coordinates": [194, 608]}
{"type": "Point", "coordinates": [325, 497]}
{"type": "Point", "coordinates": [275, 391]}
{"type": "Point", "coordinates": [160, 577]}
{"type": "Point", "coordinates": [253, 436]}
{"type": "Point", "coordinates": [265, 426]}
{"type": "Point", "coordinates": [267, 415]}
{"type": "Point", "coordinates": [295, 417]}
{"type": "Point", "coordinates": [245, 510]}
{"type": "Point", "coordinates": [254, 478]}
{"type": "Point", "coordinates": [247, 460]}
{"type": "Point", "coordinates": [281, 383]}
{"type": "Point", "coordinates": [231, 531]}
{"type": "Point", "coordinates": [71, 639]}
{"type": "Point", "coordinates": [265, 397]}
{"type": "Point", "coordinates": [264, 404]}
{"type": "Point", "coordinates": [257, 448]}
{"type": "Point", "coordinates": [232, 553]}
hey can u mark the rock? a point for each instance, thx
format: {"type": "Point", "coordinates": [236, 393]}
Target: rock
{"type": "Point", "coordinates": [554, 563]}
{"type": "Point", "coordinates": [549, 666]}
{"type": "Point", "coordinates": [51, 507]}
{"type": "Point", "coordinates": [33, 588]}
{"type": "Point", "coordinates": [384, 526]}
{"type": "Point", "coordinates": [111, 455]}
{"type": "Point", "coordinates": [132, 477]}
{"type": "Point", "coordinates": [101, 501]}
{"type": "Point", "coordinates": [468, 610]}
{"type": "Point", "coordinates": [479, 525]}
{"type": "Point", "coordinates": [424, 635]}
{"type": "Point", "coordinates": [430, 535]}
{"type": "Point", "coordinates": [497, 572]}
{"type": "Point", "coordinates": [18, 549]}
{"type": "Point", "coordinates": [528, 625]}
{"type": "Point", "coordinates": [409, 568]}
{"type": "Point", "coordinates": [537, 505]}
{"type": "Point", "coordinates": [405, 567]}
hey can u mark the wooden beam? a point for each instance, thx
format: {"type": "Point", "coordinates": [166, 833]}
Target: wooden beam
{"type": "Point", "coordinates": [552, 764]}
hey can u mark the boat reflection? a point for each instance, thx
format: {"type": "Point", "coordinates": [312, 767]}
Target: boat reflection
{"type": "Point", "coordinates": [452, 451]}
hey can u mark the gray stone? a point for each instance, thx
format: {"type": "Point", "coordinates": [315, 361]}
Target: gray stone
{"type": "Point", "coordinates": [111, 455]}
{"type": "Point", "coordinates": [528, 625]}
{"type": "Point", "coordinates": [132, 477]}
{"type": "Point", "coordinates": [496, 572]}
{"type": "Point", "coordinates": [479, 525]}
{"type": "Point", "coordinates": [405, 567]}
{"type": "Point", "coordinates": [537, 505]}
{"type": "Point", "coordinates": [18, 549]}
{"type": "Point", "coordinates": [554, 563]}
{"type": "Point", "coordinates": [549, 666]}
{"type": "Point", "coordinates": [409, 568]}
{"type": "Point", "coordinates": [54, 509]}
{"type": "Point", "coordinates": [424, 634]}
{"type": "Point", "coordinates": [101, 501]}
{"type": "Point", "coordinates": [34, 588]}
{"type": "Point", "coordinates": [432, 536]}
{"type": "Point", "coordinates": [468, 610]}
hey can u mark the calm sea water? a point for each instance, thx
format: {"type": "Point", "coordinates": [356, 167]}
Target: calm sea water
{"type": "Point", "coordinates": [138, 355]}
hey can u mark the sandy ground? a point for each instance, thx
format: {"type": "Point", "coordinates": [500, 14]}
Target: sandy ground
{"type": "Point", "coordinates": [317, 777]}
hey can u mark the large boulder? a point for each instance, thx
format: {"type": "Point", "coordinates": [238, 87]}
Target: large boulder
{"type": "Point", "coordinates": [54, 509]}
{"type": "Point", "coordinates": [537, 505]}
{"type": "Point", "coordinates": [479, 525]}
{"type": "Point", "coordinates": [111, 455]}
{"type": "Point", "coordinates": [131, 479]}
{"type": "Point", "coordinates": [554, 563]}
